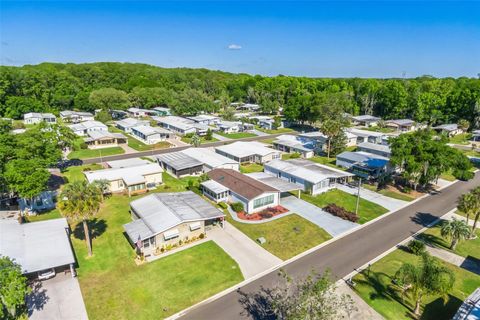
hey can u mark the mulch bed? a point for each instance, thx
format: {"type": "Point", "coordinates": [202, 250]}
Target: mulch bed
{"type": "Point", "coordinates": [264, 214]}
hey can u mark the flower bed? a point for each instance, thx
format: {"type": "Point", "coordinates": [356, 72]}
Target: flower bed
{"type": "Point", "coordinates": [264, 214]}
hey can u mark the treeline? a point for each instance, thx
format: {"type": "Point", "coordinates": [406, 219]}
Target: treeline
{"type": "Point", "coordinates": [52, 87]}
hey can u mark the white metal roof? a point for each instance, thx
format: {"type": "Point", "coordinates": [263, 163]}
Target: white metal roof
{"type": "Point", "coordinates": [306, 170]}
{"type": "Point", "coordinates": [132, 162]}
{"type": "Point", "coordinates": [129, 174]}
{"type": "Point", "coordinates": [365, 117]}
{"type": "Point", "coordinates": [148, 131]}
{"type": "Point", "coordinates": [160, 212]}
{"type": "Point", "coordinates": [177, 122]}
{"type": "Point", "coordinates": [208, 157]}
{"type": "Point", "coordinates": [214, 186]}
{"type": "Point", "coordinates": [131, 122]}
{"type": "Point", "coordinates": [242, 149]}
{"type": "Point", "coordinates": [374, 146]}
{"type": "Point", "coordinates": [179, 160]}
{"type": "Point", "coordinates": [86, 125]}
{"type": "Point", "coordinates": [274, 182]}
{"type": "Point", "coordinates": [364, 133]}
{"type": "Point", "coordinates": [99, 135]}
{"type": "Point", "coordinates": [36, 245]}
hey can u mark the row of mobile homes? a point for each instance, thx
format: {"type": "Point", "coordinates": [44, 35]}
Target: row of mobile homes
{"type": "Point", "coordinates": [254, 195]}
{"type": "Point", "coordinates": [127, 124]}
{"type": "Point", "coordinates": [205, 119]}
{"type": "Point", "coordinates": [130, 180]}
{"type": "Point", "coordinates": [178, 125]}
{"type": "Point", "coordinates": [365, 120]}
{"type": "Point", "coordinates": [161, 220]}
{"type": "Point", "coordinates": [138, 113]}
{"type": "Point", "coordinates": [311, 177]}
{"type": "Point", "coordinates": [251, 151]}
{"type": "Point", "coordinates": [76, 116]}
{"type": "Point", "coordinates": [35, 118]}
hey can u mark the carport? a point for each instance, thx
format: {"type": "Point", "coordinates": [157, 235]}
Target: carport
{"type": "Point", "coordinates": [285, 187]}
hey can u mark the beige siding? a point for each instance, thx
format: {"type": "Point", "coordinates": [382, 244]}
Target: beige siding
{"type": "Point", "coordinates": [184, 232]}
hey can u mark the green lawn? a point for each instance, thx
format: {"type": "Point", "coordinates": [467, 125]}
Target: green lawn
{"type": "Point", "coordinates": [447, 176]}
{"type": "Point", "coordinates": [76, 173]}
{"type": "Point", "coordinates": [389, 193]}
{"type": "Point", "coordinates": [288, 156]}
{"type": "Point", "coordinates": [237, 135]}
{"type": "Point", "coordinates": [465, 248]}
{"type": "Point", "coordinates": [54, 214]}
{"type": "Point", "coordinates": [377, 289]}
{"type": "Point", "coordinates": [114, 287]}
{"type": "Point", "coordinates": [326, 161]}
{"type": "Point", "coordinates": [140, 146]}
{"type": "Point", "coordinates": [276, 131]}
{"type": "Point", "coordinates": [251, 167]}
{"type": "Point", "coordinates": [172, 184]}
{"type": "Point", "coordinates": [202, 140]}
{"type": "Point", "coordinates": [463, 138]}
{"type": "Point", "coordinates": [286, 237]}
{"type": "Point", "coordinates": [367, 210]}
{"type": "Point", "coordinates": [90, 153]}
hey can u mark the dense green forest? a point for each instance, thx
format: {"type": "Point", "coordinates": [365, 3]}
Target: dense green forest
{"type": "Point", "coordinates": [54, 87]}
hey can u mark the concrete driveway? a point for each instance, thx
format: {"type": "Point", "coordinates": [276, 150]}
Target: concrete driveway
{"type": "Point", "coordinates": [249, 255]}
{"type": "Point", "coordinates": [220, 137]}
{"type": "Point", "coordinates": [333, 225]}
{"type": "Point", "coordinates": [58, 298]}
{"type": "Point", "coordinates": [387, 202]}
{"type": "Point", "coordinates": [259, 133]}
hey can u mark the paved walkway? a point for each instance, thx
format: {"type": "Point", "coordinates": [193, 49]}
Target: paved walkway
{"type": "Point", "coordinates": [364, 311]}
{"type": "Point", "coordinates": [58, 298]}
{"type": "Point", "coordinates": [220, 138]}
{"type": "Point", "coordinates": [177, 142]}
{"type": "Point", "coordinates": [127, 149]}
{"type": "Point", "coordinates": [442, 183]}
{"type": "Point", "coordinates": [333, 225]}
{"type": "Point", "coordinates": [250, 256]}
{"type": "Point", "coordinates": [470, 264]}
{"type": "Point", "coordinates": [387, 202]}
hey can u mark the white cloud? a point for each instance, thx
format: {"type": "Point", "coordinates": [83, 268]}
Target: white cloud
{"type": "Point", "coordinates": [234, 47]}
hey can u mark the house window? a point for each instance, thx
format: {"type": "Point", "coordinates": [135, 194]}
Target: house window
{"type": "Point", "coordinates": [263, 201]}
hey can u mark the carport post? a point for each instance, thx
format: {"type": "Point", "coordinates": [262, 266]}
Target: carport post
{"type": "Point", "coordinates": [299, 193]}
{"type": "Point", "coordinates": [72, 270]}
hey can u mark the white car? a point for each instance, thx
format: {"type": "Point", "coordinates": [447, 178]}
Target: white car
{"type": "Point", "coordinates": [46, 274]}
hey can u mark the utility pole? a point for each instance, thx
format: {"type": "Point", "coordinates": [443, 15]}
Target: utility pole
{"type": "Point", "coordinates": [358, 196]}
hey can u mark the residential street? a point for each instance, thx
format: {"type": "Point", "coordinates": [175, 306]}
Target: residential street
{"type": "Point", "coordinates": [167, 150]}
{"type": "Point", "coordinates": [349, 252]}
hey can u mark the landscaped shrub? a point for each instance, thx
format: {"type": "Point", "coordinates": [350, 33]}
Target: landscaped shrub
{"type": "Point", "coordinates": [341, 212]}
{"type": "Point", "coordinates": [223, 205]}
{"type": "Point", "coordinates": [265, 215]}
{"type": "Point", "coordinates": [416, 247]}
{"type": "Point", "coordinates": [237, 206]}
{"type": "Point", "coordinates": [202, 235]}
{"type": "Point", "coordinates": [295, 155]}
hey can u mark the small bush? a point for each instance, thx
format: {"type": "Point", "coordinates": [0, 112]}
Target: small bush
{"type": "Point", "coordinates": [416, 247]}
{"type": "Point", "coordinates": [340, 212]}
{"type": "Point", "coordinates": [83, 146]}
{"type": "Point", "coordinates": [265, 215]}
{"type": "Point", "coordinates": [202, 235]}
{"type": "Point", "coordinates": [295, 155]}
{"type": "Point", "coordinates": [223, 205]}
{"type": "Point", "coordinates": [237, 206]}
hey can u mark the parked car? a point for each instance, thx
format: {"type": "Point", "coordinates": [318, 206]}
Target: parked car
{"type": "Point", "coordinates": [46, 274]}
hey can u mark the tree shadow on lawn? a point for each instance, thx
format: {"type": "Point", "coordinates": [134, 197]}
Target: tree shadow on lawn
{"type": "Point", "coordinates": [383, 290]}
{"type": "Point", "coordinates": [439, 310]}
{"type": "Point", "coordinates": [96, 227]}
{"type": "Point", "coordinates": [433, 241]}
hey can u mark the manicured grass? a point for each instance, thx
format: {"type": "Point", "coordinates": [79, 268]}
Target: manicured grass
{"type": "Point", "coordinates": [276, 131]}
{"type": "Point", "coordinates": [172, 184]}
{"type": "Point", "coordinates": [367, 210]}
{"type": "Point", "coordinates": [389, 193]}
{"type": "Point", "coordinates": [140, 146]}
{"type": "Point", "coordinates": [202, 140]}
{"type": "Point", "coordinates": [237, 135]}
{"type": "Point", "coordinates": [75, 173]}
{"type": "Point", "coordinates": [465, 248]}
{"type": "Point", "coordinates": [379, 129]}
{"type": "Point", "coordinates": [90, 153]}
{"type": "Point", "coordinates": [286, 237]}
{"type": "Point", "coordinates": [268, 141]}
{"type": "Point", "coordinates": [114, 287]}
{"type": "Point", "coordinates": [288, 156]}
{"type": "Point", "coordinates": [377, 289]}
{"type": "Point", "coordinates": [463, 138]}
{"type": "Point", "coordinates": [54, 214]}
{"type": "Point", "coordinates": [447, 176]}
{"type": "Point", "coordinates": [251, 167]}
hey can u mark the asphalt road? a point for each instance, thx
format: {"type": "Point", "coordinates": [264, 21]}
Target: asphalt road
{"type": "Point", "coordinates": [160, 151]}
{"type": "Point", "coordinates": [349, 252]}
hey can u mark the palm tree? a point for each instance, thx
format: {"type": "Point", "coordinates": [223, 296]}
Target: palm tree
{"type": "Point", "coordinates": [468, 203]}
{"type": "Point", "coordinates": [476, 217]}
{"type": "Point", "coordinates": [427, 278]}
{"type": "Point", "coordinates": [80, 201]}
{"type": "Point", "coordinates": [103, 185]}
{"type": "Point", "coordinates": [456, 230]}
{"type": "Point", "coordinates": [195, 140]}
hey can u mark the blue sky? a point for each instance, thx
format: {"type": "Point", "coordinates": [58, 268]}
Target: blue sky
{"type": "Point", "coordinates": [336, 39]}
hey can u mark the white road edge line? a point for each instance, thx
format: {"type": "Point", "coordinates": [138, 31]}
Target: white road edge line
{"type": "Point", "coordinates": [307, 252]}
